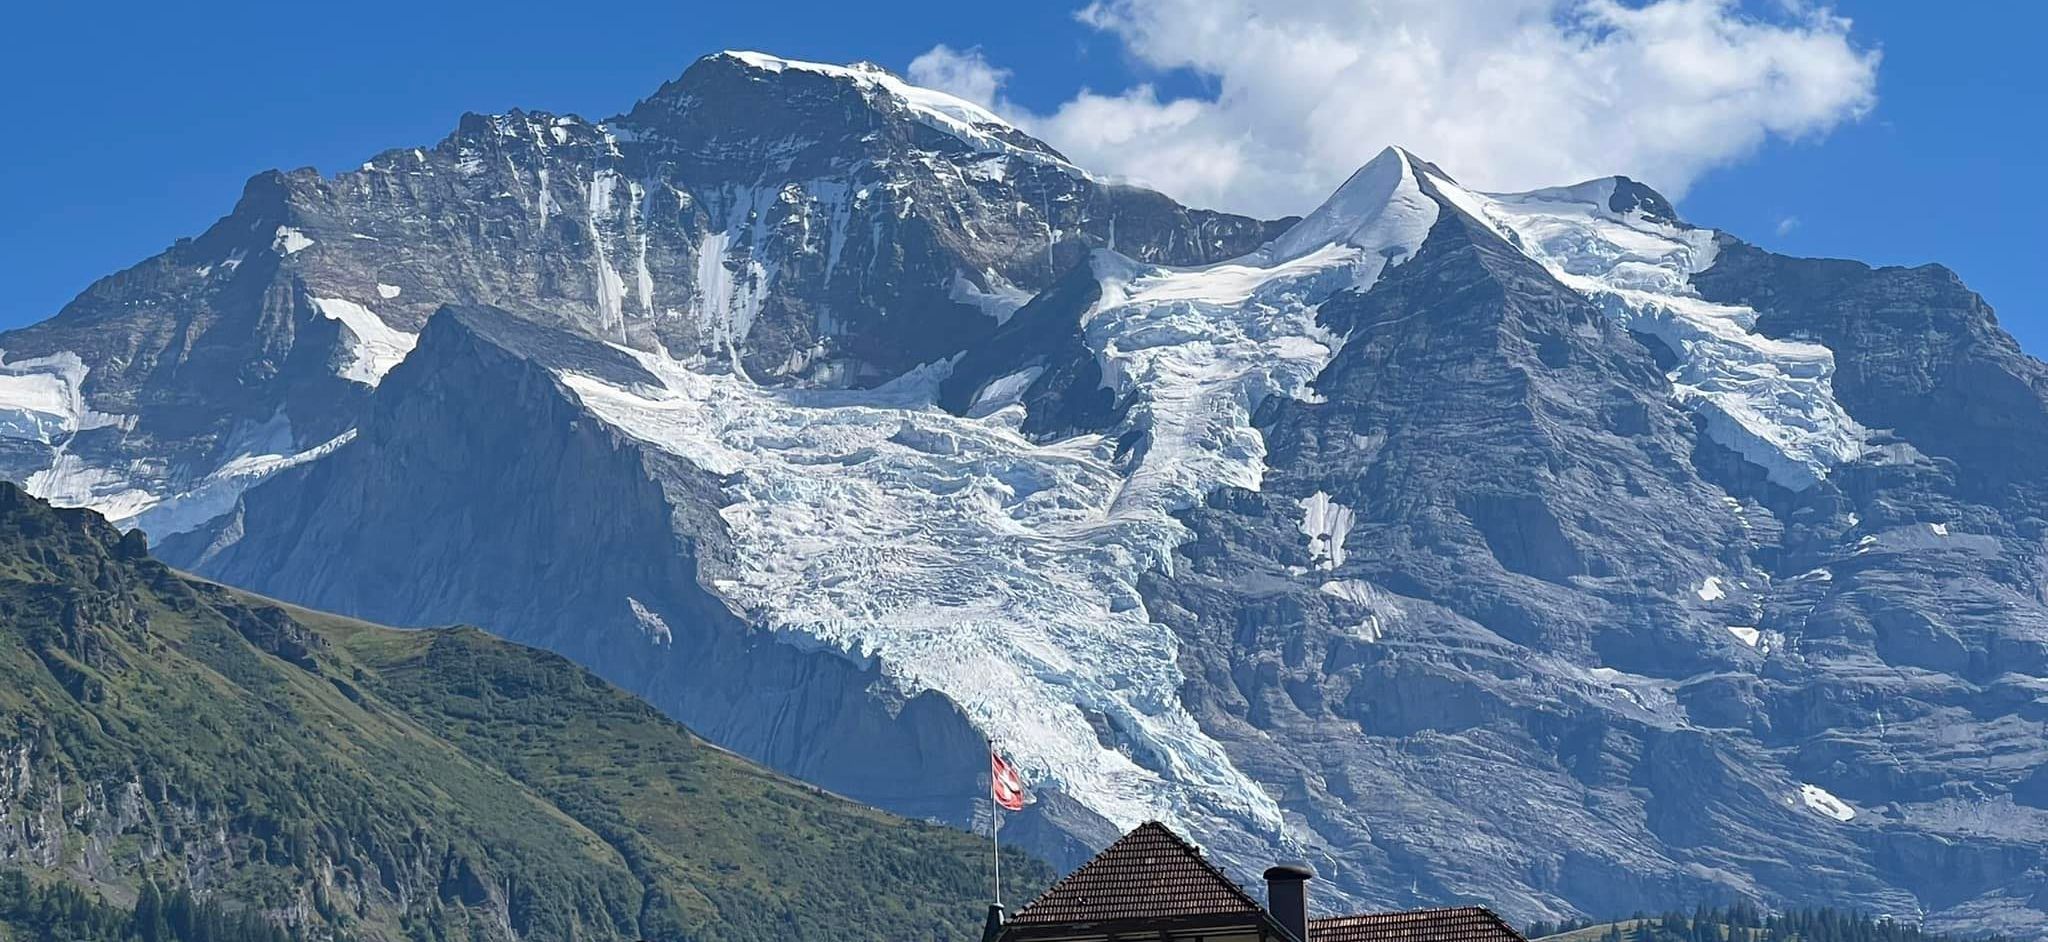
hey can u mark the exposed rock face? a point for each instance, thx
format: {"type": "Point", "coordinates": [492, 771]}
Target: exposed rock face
{"type": "Point", "coordinates": [1540, 549]}
{"type": "Point", "coordinates": [800, 224]}
{"type": "Point", "coordinates": [479, 469]}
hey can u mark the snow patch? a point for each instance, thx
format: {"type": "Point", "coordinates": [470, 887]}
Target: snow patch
{"type": "Point", "coordinates": [1746, 634]}
{"type": "Point", "coordinates": [1326, 523]}
{"type": "Point", "coordinates": [1004, 391]}
{"type": "Point", "coordinates": [217, 492]}
{"type": "Point", "coordinates": [42, 399]}
{"type": "Point", "coordinates": [1819, 799]}
{"type": "Point", "coordinates": [374, 346]}
{"type": "Point", "coordinates": [1940, 529]}
{"type": "Point", "coordinates": [1381, 607]}
{"type": "Point", "coordinates": [1711, 590]}
{"type": "Point", "coordinates": [657, 629]}
{"type": "Point", "coordinates": [989, 169]}
{"type": "Point", "coordinates": [387, 292]}
{"type": "Point", "coordinates": [999, 301]}
{"type": "Point", "coordinates": [289, 240]}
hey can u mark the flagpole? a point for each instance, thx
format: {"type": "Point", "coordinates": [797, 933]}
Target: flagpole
{"type": "Point", "coordinates": [995, 824]}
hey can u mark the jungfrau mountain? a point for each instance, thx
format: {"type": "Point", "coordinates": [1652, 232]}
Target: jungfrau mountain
{"type": "Point", "coordinates": [1538, 549]}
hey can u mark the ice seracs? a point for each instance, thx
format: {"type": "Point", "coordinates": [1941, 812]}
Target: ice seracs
{"type": "Point", "coordinates": [1769, 399]}
{"type": "Point", "coordinates": [1381, 608]}
{"type": "Point", "coordinates": [959, 556]}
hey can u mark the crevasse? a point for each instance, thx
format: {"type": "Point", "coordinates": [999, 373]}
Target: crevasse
{"type": "Point", "coordinates": [964, 558]}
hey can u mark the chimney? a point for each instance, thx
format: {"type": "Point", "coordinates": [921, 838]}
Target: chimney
{"type": "Point", "coordinates": [1287, 897]}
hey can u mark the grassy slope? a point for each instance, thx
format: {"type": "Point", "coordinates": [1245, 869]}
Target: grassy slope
{"type": "Point", "coordinates": [378, 783]}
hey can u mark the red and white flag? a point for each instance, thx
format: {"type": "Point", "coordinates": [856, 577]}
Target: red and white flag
{"type": "Point", "coordinates": [1004, 784]}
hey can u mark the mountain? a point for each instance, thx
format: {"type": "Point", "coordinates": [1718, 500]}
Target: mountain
{"type": "Point", "coordinates": [793, 222]}
{"type": "Point", "coordinates": [1542, 549]}
{"type": "Point", "coordinates": [342, 780]}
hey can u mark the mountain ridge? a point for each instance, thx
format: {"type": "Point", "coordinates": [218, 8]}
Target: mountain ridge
{"type": "Point", "coordinates": [344, 780]}
{"type": "Point", "coordinates": [1508, 547]}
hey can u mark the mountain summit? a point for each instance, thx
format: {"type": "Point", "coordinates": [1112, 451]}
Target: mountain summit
{"type": "Point", "coordinates": [1541, 549]}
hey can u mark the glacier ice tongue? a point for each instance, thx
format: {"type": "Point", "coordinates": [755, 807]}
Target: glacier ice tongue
{"type": "Point", "coordinates": [42, 400]}
{"type": "Point", "coordinates": [962, 558]}
{"type": "Point", "coordinates": [966, 559]}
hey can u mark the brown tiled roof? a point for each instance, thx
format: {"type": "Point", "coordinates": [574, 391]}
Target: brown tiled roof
{"type": "Point", "coordinates": [1460, 924]}
{"type": "Point", "coordinates": [1149, 873]}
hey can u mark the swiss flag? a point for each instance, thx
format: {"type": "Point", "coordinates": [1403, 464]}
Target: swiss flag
{"type": "Point", "coordinates": [1005, 785]}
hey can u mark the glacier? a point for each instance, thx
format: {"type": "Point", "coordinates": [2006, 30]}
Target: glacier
{"type": "Point", "coordinates": [965, 558]}
{"type": "Point", "coordinates": [1769, 399]}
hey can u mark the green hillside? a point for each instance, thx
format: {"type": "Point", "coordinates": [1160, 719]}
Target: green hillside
{"type": "Point", "coordinates": [1745, 924]}
{"type": "Point", "coordinates": [165, 743]}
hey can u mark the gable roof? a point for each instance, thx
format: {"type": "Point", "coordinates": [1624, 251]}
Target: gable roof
{"type": "Point", "coordinates": [1455, 924]}
{"type": "Point", "coordinates": [1150, 873]}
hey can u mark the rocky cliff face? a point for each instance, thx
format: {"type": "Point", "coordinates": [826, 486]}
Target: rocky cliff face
{"type": "Point", "coordinates": [794, 223]}
{"type": "Point", "coordinates": [1540, 549]}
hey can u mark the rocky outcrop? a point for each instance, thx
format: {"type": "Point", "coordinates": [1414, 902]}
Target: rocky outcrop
{"type": "Point", "coordinates": [803, 225]}
{"type": "Point", "coordinates": [1536, 549]}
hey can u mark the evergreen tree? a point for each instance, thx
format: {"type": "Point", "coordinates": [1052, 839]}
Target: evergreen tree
{"type": "Point", "coordinates": [151, 922]}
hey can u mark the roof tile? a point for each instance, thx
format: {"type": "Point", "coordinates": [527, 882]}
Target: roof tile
{"type": "Point", "coordinates": [1457, 924]}
{"type": "Point", "coordinates": [1149, 873]}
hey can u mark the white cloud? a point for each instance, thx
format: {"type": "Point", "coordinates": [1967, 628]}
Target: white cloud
{"type": "Point", "coordinates": [967, 74]}
{"type": "Point", "coordinates": [1787, 224]}
{"type": "Point", "coordinates": [1503, 94]}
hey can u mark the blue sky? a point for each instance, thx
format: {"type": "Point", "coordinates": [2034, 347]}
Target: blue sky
{"type": "Point", "coordinates": [134, 124]}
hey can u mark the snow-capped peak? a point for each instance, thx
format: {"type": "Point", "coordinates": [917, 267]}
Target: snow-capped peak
{"type": "Point", "coordinates": [870, 74]}
{"type": "Point", "coordinates": [1017, 594]}
{"type": "Point", "coordinates": [1621, 245]}
{"type": "Point", "coordinates": [972, 124]}
{"type": "Point", "coordinates": [1375, 209]}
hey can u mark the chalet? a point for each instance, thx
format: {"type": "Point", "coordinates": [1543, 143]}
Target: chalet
{"type": "Point", "coordinates": [1153, 886]}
